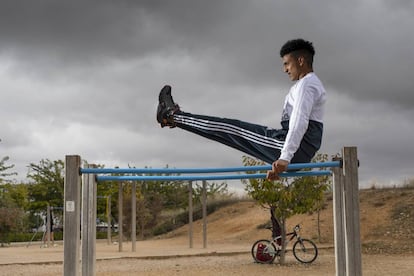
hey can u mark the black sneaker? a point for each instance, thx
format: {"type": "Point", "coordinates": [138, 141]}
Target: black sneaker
{"type": "Point", "coordinates": [166, 107]}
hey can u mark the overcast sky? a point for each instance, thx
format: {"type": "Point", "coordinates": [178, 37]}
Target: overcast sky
{"type": "Point", "coordinates": [83, 77]}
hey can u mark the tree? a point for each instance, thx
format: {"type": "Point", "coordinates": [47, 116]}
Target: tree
{"type": "Point", "coordinates": [15, 195]}
{"type": "Point", "coordinates": [10, 220]}
{"type": "Point", "coordinates": [152, 198]}
{"type": "Point", "coordinates": [47, 187]}
{"type": "Point", "coordinates": [174, 194]}
{"type": "Point", "coordinates": [324, 180]}
{"type": "Point", "coordinates": [4, 168]}
{"type": "Point", "coordinates": [213, 190]}
{"type": "Point", "coordinates": [13, 201]}
{"type": "Point", "coordinates": [285, 197]}
{"type": "Point", "coordinates": [11, 213]}
{"type": "Point", "coordinates": [143, 216]}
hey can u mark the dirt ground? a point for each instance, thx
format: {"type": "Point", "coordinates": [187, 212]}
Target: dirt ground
{"type": "Point", "coordinates": [171, 258]}
{"type": "Point", "coordinates": [386, 235]}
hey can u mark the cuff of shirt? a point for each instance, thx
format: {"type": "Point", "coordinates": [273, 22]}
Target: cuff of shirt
{"type": "Point", "coordinates": [285, 156]}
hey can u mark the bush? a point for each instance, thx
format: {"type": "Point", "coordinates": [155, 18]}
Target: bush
{"type": "Point", "coordinates": [19, 237]}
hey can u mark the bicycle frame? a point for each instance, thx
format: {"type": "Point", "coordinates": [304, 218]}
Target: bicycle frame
{"type": "Point", "coordinates": [293, 234]}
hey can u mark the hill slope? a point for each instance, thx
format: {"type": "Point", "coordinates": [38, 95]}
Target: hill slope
{"type": "Point", "coordinates": [386, 216]}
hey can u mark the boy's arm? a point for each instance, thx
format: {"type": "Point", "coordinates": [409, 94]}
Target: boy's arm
{"type": "Point", "coordinates": [298, 124]}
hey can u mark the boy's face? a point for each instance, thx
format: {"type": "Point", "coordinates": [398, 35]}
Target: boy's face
{"type": "Point", "coordinates": [292, 66]}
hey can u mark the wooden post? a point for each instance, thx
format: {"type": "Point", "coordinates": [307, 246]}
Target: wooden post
{"type": "Point", "coordinates": [120, 215]}
{"type": "Point", "coordinates": [204, 204]}
{"type": "Point", "coordinates": [352, 223]}
{"type": "Point", "coordinates": [71, 218]}
{"type": "Point", "coordinates": [134, 216]}
{"type": "Point", "coordinates": [339, 221]}
{"type": "Point", "coordinates": [190, 213]}
{"type": "Point", "coordinates": [89, 199]}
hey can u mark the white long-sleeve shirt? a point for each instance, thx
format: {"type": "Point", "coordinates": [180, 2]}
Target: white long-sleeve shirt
{"type": "Point", "coordinates": [304, 102]}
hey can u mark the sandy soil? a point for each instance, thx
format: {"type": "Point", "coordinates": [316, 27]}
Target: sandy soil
{"type": "Point", "coordinates": [231, 233]}
{"type": "Point", "coordinates": [226, 260]}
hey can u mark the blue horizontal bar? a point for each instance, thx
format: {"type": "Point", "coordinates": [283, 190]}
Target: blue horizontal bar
{"type": "Point", "coordinates": [205, 177]}
{"type": "Point", "coordinates": [295, 166]}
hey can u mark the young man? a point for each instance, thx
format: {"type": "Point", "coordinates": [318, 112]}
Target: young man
{"type": "Point", "coordinates": [302, 118]}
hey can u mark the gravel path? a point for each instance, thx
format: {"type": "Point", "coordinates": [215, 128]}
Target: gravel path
{"type": "Point", "coordinates": [238, 264]}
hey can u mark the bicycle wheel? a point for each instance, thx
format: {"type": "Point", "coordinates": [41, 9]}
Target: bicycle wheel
{"type": "Point", "coordinates": [305, 251]}
{"type": "Point", "coordinates": [263, 251]}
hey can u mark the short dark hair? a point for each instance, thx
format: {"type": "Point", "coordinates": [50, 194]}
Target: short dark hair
{"type": "Point", "coordinates": [298, 46]}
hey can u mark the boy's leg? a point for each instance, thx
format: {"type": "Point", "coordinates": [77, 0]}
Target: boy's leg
{"type": "Point", "coordinates": [256, 140]}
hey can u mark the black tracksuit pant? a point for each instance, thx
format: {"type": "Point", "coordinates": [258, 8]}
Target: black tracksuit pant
{"type": "Point", "coordinates": [259, 141]}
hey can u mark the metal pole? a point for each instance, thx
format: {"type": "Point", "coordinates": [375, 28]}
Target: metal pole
{"type": "Point", "coordinates": [339, 221]}
{"type": "Point", "coordinates": [205, 177]}
{"type": "Point", "coordinates": [190, 213]}
{"type": "Point", "coordinates": [295, 166]}
{"type": "Point", "coordinates": [48, 224]}
{"type": "Point", "coordinates": [108, 220]}
{"type": "Point", "coordinates": [120, 215]}
{"type": "Point", "coordinates": [204, 204]}
{"type": "Point", "coordinates": [134, 217]}
{"type": "Point", "coordinates": [89, 199]}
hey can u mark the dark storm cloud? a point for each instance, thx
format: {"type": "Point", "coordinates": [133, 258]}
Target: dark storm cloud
{"type": "Point", "coordinates": [363, 48]}
{"type": "Point", "coordinates": [84, 66]}
{"type": "Point", "coordinates": [81, 31]}
{"type": "Point", "coordinates": [68, 32]}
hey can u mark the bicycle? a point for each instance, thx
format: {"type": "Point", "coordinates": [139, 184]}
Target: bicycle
{"type": "Point", "coordinates": [304, 250]}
